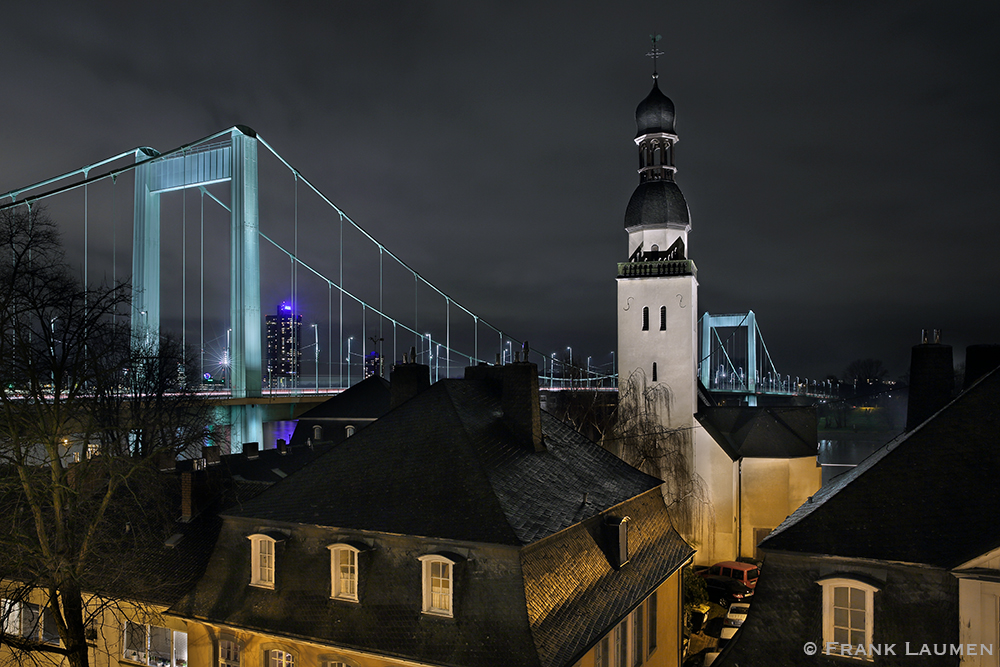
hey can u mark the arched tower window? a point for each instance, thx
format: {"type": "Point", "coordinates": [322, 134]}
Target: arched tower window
{"type": "Point", "coordinates": [663, 318]}
{"type": "Point", "coordinates": [645, 318]}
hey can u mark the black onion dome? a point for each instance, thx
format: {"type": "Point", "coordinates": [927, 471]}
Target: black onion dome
{"type": "Point", "coordinates": [655, 113]}
{"type": "Point", "coordinates": [658, 203]}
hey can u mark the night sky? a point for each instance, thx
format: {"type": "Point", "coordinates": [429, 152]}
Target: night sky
{"type": "Point", "coordinates": [840, 159]}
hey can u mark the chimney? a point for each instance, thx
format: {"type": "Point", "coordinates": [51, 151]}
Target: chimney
{"type": "Point", "coordinates": [406, 380]}
{"type": "Point", "coordinates": [211, 454]}
{"type": "Point", "coordinates": [980, 360]}
{"type": "Point", "coordinates": [518, 384]}
{"type": "Point", "coordinates": [189, 500]}
{"type": "Point", "coordinates": [932, 380]}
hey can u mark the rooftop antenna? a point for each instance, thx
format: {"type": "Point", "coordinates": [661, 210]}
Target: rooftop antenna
{"type": "Point", "coordinates": [654, 53]}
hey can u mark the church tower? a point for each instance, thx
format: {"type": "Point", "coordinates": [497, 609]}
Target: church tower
{"type": "Point", "coordinates": [657, 333]}
{"type": "Point", "coordinates": [657, 286]}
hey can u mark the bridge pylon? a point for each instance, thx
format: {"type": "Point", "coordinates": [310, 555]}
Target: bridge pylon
{"type": "Point", "coordinates": [233, 160]}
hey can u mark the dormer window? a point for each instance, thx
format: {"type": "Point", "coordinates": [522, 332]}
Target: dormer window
{"type": "Point", "coordinates": [438, 573]}
{"type": "Point", "coordinates": [616, 533]}
{"type": "Point", "coordinates": [344, 572]}
{"type": "Point", "coordinates": [262, 560]}
{"type": "Point", "coordinates": [848, 618]}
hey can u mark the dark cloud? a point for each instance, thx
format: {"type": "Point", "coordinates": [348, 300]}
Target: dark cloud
{"type": "Point", "coordinates": [839, 158]}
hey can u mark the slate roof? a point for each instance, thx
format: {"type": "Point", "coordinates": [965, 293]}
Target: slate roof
{"type": "Point", "coordinates": [444, 464]}
{"type": "Point", "coordinates": [655, 113]}
{"type": "Point", "coordinates": [443, 472]}
{"type": "Point", "coordinates": [928, 497]}
{"type": "Point", "coordinates": [368, 399]}
{"type": "Point", "coordinates": [657, 204]}
{"type": "Point", "coordinates": [574, 595]}
{"type": "Point", "coordinates": [762, 432]}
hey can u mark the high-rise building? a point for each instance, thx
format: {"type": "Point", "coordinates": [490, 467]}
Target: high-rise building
{"type": "Point", "coordinates": [284, 347]}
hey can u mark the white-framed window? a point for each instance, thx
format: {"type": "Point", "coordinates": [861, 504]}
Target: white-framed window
{"type": "Point", "coordinates": [848, 616]}
{"type": "Point", "coordinates": [154, 645]}
{"type": "Point", "coordinates": [277, 657]}
{"type": "Point", "coordinates": [262, 560]}
{"type": "Point", "coordinates": [637, 637]}
{"type": "Point", "coordinates": [28, 620]}
{"type": "Point", "coordinates": [438, 579]}
{"type": "Point", "coordinates": [229, 653]}
{"type": "Point", "coordinates": [629, 643]}
{"type": "Point", "coordinates": [343, 572]}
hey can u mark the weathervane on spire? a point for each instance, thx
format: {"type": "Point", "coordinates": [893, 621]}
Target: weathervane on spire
{"type": "Point", "coordinates": [654, 52]}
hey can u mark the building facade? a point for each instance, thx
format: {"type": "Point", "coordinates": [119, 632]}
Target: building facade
{"type": "Point", "coordinates": [284, 347]}
{"type": "Point", "coordinates": [463, 527]}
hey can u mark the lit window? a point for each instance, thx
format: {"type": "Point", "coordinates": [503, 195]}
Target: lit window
{"type": "Point", "coordinates": [348, 430]}
{"type": "Point", "coordinates": [645, 318]}
{"type": "Point", "coordinates": [344, 572]}
{"type": "Point", "coordinates": [29, 620]}
{"type": "Point", "coordinates": [848, 615]}
{"type": "Point", "coordinates": [262, 561]}
{"type": "Point", "coordinates": [602, 653]}
{"type": "Point", "coordinates": [229, 653]}
{"type": "Point", "coordinates": [437, 585]}
{"type": "Point", "coordinates": [637, 636]}
{"type": "Point", "coordinates": [279, 658]}
{"type": "Point", "coordinates": [154, 645]}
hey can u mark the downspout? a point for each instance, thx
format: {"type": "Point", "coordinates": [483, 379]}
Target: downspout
{"type": "Point", "coordinates": [739, 510]}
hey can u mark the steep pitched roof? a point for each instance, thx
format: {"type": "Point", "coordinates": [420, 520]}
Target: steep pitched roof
{"type": "Point", "coordinates": [928, 497]}
{"type": "Point", "coordinates": [762, 432]}
{"type": "Point", "coordinates": [368, 399]}
{"type": "Point", "coordinates": [445, 464]}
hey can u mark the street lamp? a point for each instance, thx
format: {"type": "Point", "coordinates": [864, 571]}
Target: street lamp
{"type": "Point", "coordinates": [316, 357]}
{"type": "Point", "coordinates": [570, 362]}
{"type": "Point", "coordinates": [349, 339]}
{"type": "Point", "coordinates": [552, 371]}
{"type": "Point", "coordinates": [588, 371]}
{"type": "Point", "coordinates": [437, 363]}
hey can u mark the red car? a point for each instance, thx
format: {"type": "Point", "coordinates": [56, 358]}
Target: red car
{"type": "Point", "coordinates": [745, 573]}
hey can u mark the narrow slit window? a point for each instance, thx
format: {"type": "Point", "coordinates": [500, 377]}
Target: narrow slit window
{"type": "Point", "coordinates": [645, 318]}
{"type": "Point", "coordinates": [663, 318]}
{"type": "Point", "coordinates": [654, 371]}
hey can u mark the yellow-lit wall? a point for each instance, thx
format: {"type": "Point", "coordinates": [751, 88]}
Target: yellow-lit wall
{"type": "Point", "coordinates": [668, 622]}
{"type": "Point", "coordinates": [771, 489]}
{"type": "Point", "coordinates": [203, 639]}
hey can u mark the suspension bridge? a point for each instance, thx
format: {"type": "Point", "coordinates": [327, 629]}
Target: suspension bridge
{"type": "Point", "coordinates": [229, 211]}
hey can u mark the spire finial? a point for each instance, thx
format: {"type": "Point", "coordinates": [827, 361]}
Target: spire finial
{"type": "Point", "coordinates": [654, 53]}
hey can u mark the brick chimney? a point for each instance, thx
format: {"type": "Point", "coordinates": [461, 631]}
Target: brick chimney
{"type": "Point", "coordinates": [518, 385]}
{"type": "Point", "coordinates": [932, 379]}
{"type": "Point", "coordinates": [189, 495]}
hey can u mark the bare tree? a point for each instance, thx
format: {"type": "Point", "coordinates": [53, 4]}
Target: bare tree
{"type": "Point", "coordinates": [642, 440]}
{"type": "Point", "coordinates": [84, 416]}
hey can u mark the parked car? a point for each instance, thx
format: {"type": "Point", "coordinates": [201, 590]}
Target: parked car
{"type": "Point", "coordinates": [725, 635]}
{"type": "Point", "coordinates": [746, 573]}
{"type": "Point", "coordinates": [737, 614]}
{"type": "Point", "coordinates": [726, 590]}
